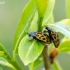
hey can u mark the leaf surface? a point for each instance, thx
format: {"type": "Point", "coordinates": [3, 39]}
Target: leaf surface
{"type": "Point", "coordinates": [24, 22]}
{"type": "Point", "coordinates": [29, 51]}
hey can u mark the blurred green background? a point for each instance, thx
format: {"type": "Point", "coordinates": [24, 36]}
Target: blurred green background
{"type": "Point", "coordinates": [10, 13]}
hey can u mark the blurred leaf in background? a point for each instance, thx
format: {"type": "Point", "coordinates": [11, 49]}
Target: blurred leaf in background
{"type": "Point", "coordinates": [10, 13]}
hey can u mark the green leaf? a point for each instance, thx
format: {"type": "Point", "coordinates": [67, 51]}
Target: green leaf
{"type": "Point", "coordinates": [65, 21]}
{"type": "Point", "coordinates": [3, 52]}
{"type": "Point", "coordinates": [50, 20]}
{"type": "Point", "coordinates": [24, 22]}
{"type": "Point", "coordinates": [67, 8]}
{"type": "Point", "coordinates": [34, 25]}
{"type": "Point", "coordinates": [41, 5]}
{"type": "Point", "coordinates": [64, 46]}
{"type": "Point", "coordinates": [62, 28]}
{"type": "Point", "coordinates": [29, 51]}
{"type": "Point", "coordinates": [4, 62]}
{"type": "Point", "coordinates": [36, 63]}
{"type": "Point", "coordinates": [49, 11]}
{"type": "Point", "coordinates": [56, 66]}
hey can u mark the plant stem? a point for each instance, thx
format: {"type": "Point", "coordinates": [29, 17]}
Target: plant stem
{"type": "Point", "coordinates": [31, 66]}
{"type": "Point", "coordinates": [45, 58]}
{"type": "Point", "coordinates": [13, 64]}
{"type": "Point", "coordinates": [16, 65]}
{"type": "Point", "coordinates": [67, 8]}
{"type": "Point", "coordinates": [14, 56]}
{"type": "Point", "coordinates": [40, 23]}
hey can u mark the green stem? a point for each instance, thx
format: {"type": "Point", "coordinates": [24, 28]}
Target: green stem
{"type": "Point", "coordinates": [40, 23]}
{"type": "Point", "coordinates": [67, 8]}
{"type": "Point", "coordinates": [16, 65]}
{"type": "Point", "coordinates": [14, 62]}
{"type": "Point", "coordinates": [31, 66]}
{"type": "Point", "coordinates": [14, 56]}
{"type": "Point", "coordinates": [57, 66]}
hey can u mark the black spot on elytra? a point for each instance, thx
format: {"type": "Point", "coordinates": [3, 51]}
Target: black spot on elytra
{"type": "Point", "coordinates": [58, 40]}
{"type": "Point", "coordinates": [47, 41]}
{"type": "Point", "coordinates": [44, 34]}
{"type": "Point", "coordinates": [54, 37]}
{"type": "Point", "coordinates": [43, 38]}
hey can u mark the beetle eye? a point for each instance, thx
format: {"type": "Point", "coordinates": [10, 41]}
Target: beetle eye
{"type": "Point", "coordinates": [29, 35]}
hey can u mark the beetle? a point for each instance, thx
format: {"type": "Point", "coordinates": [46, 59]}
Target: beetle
{"type": "Point", "coordinates": [53, 36]}
{"type": "Point", "coordinates": [40, 36]}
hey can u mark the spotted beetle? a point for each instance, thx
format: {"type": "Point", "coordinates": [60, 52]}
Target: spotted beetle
{"type": "Point", "coordinates": [40, 36]}
{"type": "Point", "coordinates": [53, 36]}
{"type": "Point", "coordinates": [47, 36]}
